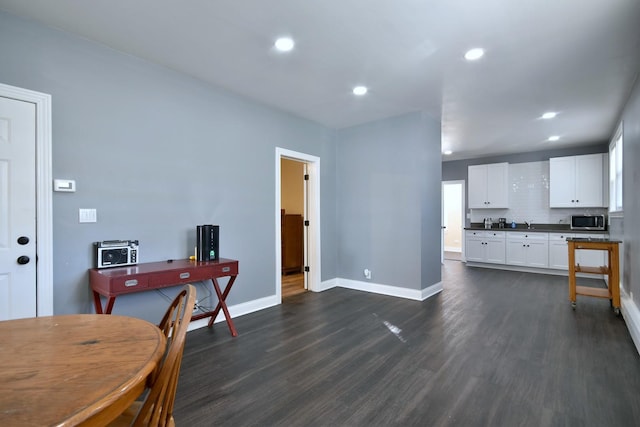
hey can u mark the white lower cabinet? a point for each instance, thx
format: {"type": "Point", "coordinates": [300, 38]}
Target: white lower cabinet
{"type": "Point", "coordinates": [485, 246]}
{"type": "Point", "coordinates": [530, 249]}
{"type": "Point", "coordinates": [558, 251]}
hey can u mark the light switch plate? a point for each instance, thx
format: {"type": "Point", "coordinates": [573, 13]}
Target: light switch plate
{"type": "Point", "coordinates": [87, 215]}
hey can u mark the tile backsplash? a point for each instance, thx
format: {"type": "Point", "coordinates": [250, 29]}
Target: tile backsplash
{"type": "Point", "coordinates": [529, 198]}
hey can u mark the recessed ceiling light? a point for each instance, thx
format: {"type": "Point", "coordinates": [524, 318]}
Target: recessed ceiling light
{"type": "Point", "coordinates": [284, 44]}
{"type": "Point", "coordinates": [448, 152]}
{"type": "Point", "coordinates": [549, 115]}
{"type": "Point", "coordinates": [474, 54]}
{"type": "Point", "coordinates": [554, 138]}
{"type": "Point", "coordinates": [360, 90]}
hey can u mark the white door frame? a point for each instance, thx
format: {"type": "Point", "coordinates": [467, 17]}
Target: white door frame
{"type": "Point", "coordinates": [462, 213]}
{"type": "Point", "coordinates": [313, 203]}
{"type": "Point", "coordinates": [44, 227]}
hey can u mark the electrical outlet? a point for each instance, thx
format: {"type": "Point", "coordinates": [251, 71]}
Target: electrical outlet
{"type": "Point", "coordinates": [367, 273]}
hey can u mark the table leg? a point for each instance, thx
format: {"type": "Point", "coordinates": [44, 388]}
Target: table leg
{"type": "Point", "coordinates": [572, 273]}
{"type": "Point", "coordinates": [614, 277]}
{"type": "Point", "coordinates": [222, 296]}
{"type": "Point", "coordinates": [97, 304]}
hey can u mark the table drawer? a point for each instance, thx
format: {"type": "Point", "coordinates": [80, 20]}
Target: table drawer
{"type": "Point", "coordinates": [176, 277]}
{"type": "Point", "coordinates": [128, 284]}
{"type": "Point", "coordinates": [226, 269]}
{"type": "Point", "coordinates": [190, 275]}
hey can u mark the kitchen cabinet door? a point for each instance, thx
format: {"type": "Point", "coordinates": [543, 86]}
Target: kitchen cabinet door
{"type": "Point", "coordinates": [528, 249]}
{"type": "Point", "coordinates": [498, 185]}
{"type": "Point", "coordinates": [562, 182]}
{"type": "Point", "coordinates": [488, 186]}
{"type": "Point", "coordinates": [538, 253]}
{"type": "Point", "coordinates": [495, 250]}
{"type": "Point", "coordinates": [485, 246]}
{"type": "Point", "coordinates": [474, 250]}
{"type": "Point", "coordinates": [578, 181]}
{"type": "Point", "coordinates": [558, 251]}
{"type": "Point", "coordinates": [516, 252]}
{"type": "Point", "coordinates": [589, 181]}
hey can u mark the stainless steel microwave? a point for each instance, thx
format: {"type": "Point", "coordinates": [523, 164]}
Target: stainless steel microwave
{"type": "Point", "coordinates": [588, 222]}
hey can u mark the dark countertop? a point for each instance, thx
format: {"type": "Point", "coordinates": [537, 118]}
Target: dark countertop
{"type": "Point", "coordinates": [540, 228]}
{"type": "Point", "coordinates": [591, 239]}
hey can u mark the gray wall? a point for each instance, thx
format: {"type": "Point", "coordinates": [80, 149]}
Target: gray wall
{"type": "Point", "coordinates": [628, 231]}
{"type": "Point", "coordinates": [388, 201]}
{"type": "Point", "coordinates": [156, 153]}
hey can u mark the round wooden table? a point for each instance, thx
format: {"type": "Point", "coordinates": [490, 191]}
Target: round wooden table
{"type": "Point", "coordinates": [74, 369]}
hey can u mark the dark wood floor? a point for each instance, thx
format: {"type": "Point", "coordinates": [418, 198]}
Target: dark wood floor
{"type": "Point", "coordinates": [495, 348]}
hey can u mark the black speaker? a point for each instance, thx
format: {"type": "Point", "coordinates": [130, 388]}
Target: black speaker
{"type": "Point", "coordinates": [207, 238]}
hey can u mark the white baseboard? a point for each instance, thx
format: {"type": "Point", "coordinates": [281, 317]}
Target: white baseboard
{"type": "Point", "coordinates": [394, 291]}
{"type": "Point", "coordinates": [238, 310]}
{"type": "Point", "coordinates": [631, 316]}
{"type": "Point", "coordinates": [327, 284]}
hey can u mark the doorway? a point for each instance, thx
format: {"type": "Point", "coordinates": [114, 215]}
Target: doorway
{"type": "Point", "coordinates": [292, 212]}
{"type": "Point", "coordinates": [453, 207]}
{"type": "Point", "coordinates": [39, 240]}
{"type": "Point", "coordinates": [301, 171]}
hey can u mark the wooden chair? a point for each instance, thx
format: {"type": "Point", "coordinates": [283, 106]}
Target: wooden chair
{"type": "Point", "coordinates": [157, 408]}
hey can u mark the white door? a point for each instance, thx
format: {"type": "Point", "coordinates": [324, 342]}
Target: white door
{"type": "Point", "coordinates": [17, 209]}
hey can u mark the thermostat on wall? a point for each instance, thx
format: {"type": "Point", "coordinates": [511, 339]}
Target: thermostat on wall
{"type": "Point", "coordinates": [67, 185]}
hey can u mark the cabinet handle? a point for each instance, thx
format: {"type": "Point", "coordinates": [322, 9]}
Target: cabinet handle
{"type": "Point", "coordinates": [185, 275]}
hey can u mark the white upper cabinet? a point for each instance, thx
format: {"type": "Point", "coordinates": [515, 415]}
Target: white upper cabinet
{"type": "Point", "coordinates": [489, 186]}
{"type": "Point", "coordinates": [578, 181]}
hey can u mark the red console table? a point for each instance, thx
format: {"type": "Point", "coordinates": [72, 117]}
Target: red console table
{"type": "Point", "coordinates": [111, 282]}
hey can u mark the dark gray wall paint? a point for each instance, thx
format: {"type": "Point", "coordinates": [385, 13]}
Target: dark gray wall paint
{"type": "Point", "coordinates": [388, 201]}
{"type": "Point", "coordinates": [156, 153]}
{"type": "Point", "coordinates": [457, 169]}
{"type": "Point", "coordinates": [628, 231]}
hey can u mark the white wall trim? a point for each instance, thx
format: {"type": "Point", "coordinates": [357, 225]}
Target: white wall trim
{"type": "Point", "coordinates": [394, 291]}
{"type": "Point", "coordinates": [238, 310]}
{"type": "Point", "coordinates": [431, 291]}
{"type": "Point", "coordinates": [631, 316]}
{"type": "Point", "coordinates": [44, 225]}
{"type": "Point", "coordinates": [327, 284]}
{"type": "Point", "coordinates": [313, 200]}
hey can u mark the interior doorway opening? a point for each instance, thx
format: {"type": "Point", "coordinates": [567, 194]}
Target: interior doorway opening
{"type": "Point", "coordinates": [292, 212]}
{"type": "Point", "coordinates": [453, 221]}
{"type": "Point", "coordinates": [294, 217]}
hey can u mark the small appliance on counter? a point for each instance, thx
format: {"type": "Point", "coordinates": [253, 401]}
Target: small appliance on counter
{"type": "Point", "coordinates": [502, 222]}
{"type": "Point", "coordinates": [488, 222]}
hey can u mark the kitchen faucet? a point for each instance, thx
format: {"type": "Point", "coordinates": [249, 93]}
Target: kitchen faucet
{"type": "Point", "coordinates": [528, 224]}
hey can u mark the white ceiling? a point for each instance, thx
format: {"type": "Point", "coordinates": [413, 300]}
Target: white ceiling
{"type": "Point", "coordinates": [576, 57]}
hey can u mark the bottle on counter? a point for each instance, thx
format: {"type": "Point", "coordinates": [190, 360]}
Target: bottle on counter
{"type": "Point", "coordinates": [513, 224]}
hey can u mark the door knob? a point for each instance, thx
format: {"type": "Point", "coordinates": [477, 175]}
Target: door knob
{"type": "Point", "coordinates": [23, 259]}
{"type": "Point", "coordinates": [23, 240]}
